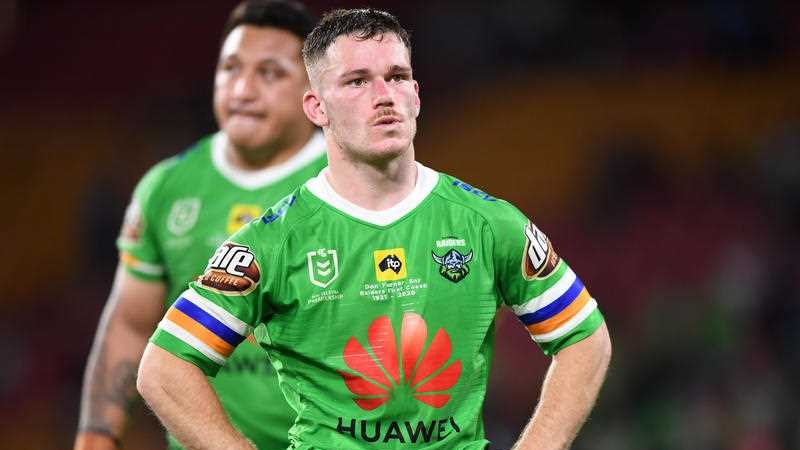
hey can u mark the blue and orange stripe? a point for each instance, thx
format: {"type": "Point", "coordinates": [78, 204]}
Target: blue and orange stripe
{"type": "Point", "coordinates": [205, 327]}
{"type": "Point", "coordinates": [558, 312]}
{"type": "Point", "coordinates": [556, 306]}
{"type": "Point", "coordinates": [563, 316]}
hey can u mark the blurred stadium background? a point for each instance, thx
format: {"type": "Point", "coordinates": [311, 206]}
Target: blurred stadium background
{"type": "Point", "coordinates": [657, 143]}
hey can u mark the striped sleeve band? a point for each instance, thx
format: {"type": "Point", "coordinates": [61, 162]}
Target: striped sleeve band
{"type": "Point", "coordinates": [558, 310]}
{"type": "Point", "coordinates": [138, 265]}
{"type": "Point", "coordinates": [204, 326]}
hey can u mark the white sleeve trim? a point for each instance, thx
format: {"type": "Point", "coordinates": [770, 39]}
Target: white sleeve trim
{"type": "Point", "coordinates": [146, 268]}
{"type": "Point", "coordinates": [175, 330]}
{"type": "Point", "coordinates": [545, 298]}
{"type": "Point", "coordinates": [233, 322]}
{"type": "Point", "coordinates": [587, 309]}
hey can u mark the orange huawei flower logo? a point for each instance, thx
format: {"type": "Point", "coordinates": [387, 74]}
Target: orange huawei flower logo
{"type": "Point", "coordinates": [379, 372]}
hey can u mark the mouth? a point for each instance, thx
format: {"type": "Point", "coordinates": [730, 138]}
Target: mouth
{"type": "Point", "coordinates": [247, 114]}
{"type": "Point", "coordinates": [387, 121]}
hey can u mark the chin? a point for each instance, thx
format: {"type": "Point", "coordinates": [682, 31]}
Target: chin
{"type": "Point", "coordinates": [247, 138]}
{"type": "Point", "coordinates": [386, 153]}
{"type": "Point", "coordinates": [392, 147]}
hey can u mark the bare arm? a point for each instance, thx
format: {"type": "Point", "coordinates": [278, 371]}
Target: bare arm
{"type": "Point", "coordinates": [180, 395]}
{"type": "Point", "coordinates": [109, 385]}
{"type": "Point", "coordinates": [568, 393]}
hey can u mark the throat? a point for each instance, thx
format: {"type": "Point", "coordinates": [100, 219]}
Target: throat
{"type": "Point", "coordinates": [370, 188]}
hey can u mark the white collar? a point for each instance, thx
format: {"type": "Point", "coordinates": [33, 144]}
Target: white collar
{"type": "Point", "coordinates": [254, 179]}
{"type": "Point", "coordinates": [426, 181]}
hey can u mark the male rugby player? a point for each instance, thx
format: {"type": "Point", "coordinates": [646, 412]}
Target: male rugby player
{"type": "Point", "coordinates": [187, 205]}
{"type": "Point", "coordinates": [377, 283]}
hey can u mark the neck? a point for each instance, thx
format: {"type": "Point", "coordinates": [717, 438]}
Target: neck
{"type": "Point", "coordinates": [372, 185]}
{"type": "Point", "coordinates": [272, 154]}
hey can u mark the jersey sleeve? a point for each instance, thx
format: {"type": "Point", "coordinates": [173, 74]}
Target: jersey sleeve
{"type": "Point", "coordinates": [137, 242]}
{"type": "Point", "coordinates": [219, 310]}
{"type": "Point", "coordinates": [542, 290]}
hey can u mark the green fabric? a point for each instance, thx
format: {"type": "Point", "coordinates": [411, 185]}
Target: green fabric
{"type": "Point", "coordinates": [380, 344]}
{"type": "Point", "coordinates": [185, 210]}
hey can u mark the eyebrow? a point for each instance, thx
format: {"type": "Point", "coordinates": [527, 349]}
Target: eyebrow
{"type": "Point", "coordinates": [359, 72]}
{"type": "Point", "coordinates": [402, 69]}
{"type": "Point", "coordinates": [234, 56]}
{"type": "Point", "coordinates": [362, 72]}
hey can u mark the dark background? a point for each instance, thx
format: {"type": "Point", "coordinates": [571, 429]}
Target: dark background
{"type": "Point", "coordinates": [656, 143]}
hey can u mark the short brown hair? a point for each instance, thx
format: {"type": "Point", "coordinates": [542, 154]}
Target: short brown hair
{"type": "Point", "coordinates": [363, 23]}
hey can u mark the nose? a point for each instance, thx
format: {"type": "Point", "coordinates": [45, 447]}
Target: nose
{"type": "Point", "coordinates": [244, 87]}
{"type": "Point", "coordinates": [382, 94]}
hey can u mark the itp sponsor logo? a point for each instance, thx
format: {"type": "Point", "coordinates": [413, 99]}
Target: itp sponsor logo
{"type": "Point", "coordinates": [390, 264]}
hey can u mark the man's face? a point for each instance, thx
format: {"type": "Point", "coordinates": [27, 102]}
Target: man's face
{"type": "Point", "coordinates": [369, 97]}
{"type": "Point", "coordinates": [259, 85]}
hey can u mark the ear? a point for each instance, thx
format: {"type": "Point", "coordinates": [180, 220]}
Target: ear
{"type": "Point", "coordinates": [417, 103]}
{"type": "Point", "coordinates": [314, 109]}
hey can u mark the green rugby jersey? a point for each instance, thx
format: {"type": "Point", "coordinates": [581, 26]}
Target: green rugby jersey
{"type": "Point", "coordinates": [381, 324]}
{"type": "Point", "coordinates": [182, 210]}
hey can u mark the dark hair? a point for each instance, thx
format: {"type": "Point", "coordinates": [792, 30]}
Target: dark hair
{"type": "Point", "coordinates": [363, 23]}
{"type": "Point", "coordinates": [287, 15]}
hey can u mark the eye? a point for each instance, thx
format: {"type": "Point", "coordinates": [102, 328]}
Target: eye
{"type": "Point", "coordinates": [227, 66]}
{"type": "Point", "coordinates": [399, 77]}
{"type": "Point", "coordinates": [267, 74]}
{"type": "Point", "coordinates": [357, 82]}
{"type": "Point", "coordinates": [271, 73]}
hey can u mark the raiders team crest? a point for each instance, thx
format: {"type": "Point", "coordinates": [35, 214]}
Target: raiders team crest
{"type": "Point", "coordinates": [453, 264]}
{"type": "Point", "coordinates": [539, 259]}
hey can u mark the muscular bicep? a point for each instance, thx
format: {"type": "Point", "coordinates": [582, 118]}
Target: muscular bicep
{"type": "Point", "coordinates": [540, 287]}
{"type": "Point", "coordinates": [129, 317]}
{"type": "Point", "coordinates": [596, 347]}
{"type": "Point", "coordinates": [179, 393]}
{"type": "Point", "coordinates": [136, 303]}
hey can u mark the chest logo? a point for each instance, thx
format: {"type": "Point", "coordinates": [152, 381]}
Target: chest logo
{"type": "Point", "coordinates": [323, 267]}
{"type": "Point", "coordinates": [453, 265]}
{"type": "Point", "coordinates": [183, 215]}
{"type": "Point", "coordinates": [390, 264]}
{"type": "Point", "coordinates": [388, 371]}
{"type": "Point", "coordinates": [240, 215]}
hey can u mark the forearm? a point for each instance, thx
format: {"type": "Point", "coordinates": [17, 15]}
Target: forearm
{"type": "Point", "coordinates": [568, 394]}
{"type": "Point", "coordinates": [180, 395]}
{"type": "Point", "coordinates": [109, 385]}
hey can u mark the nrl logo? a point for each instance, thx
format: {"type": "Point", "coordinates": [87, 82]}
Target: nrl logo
{"type": "Point", "coordinates": [453, 265]}
{"type": "Point", "coordinates": [183, 215]}
{"type": "Point", "coordinates": [323, 267]}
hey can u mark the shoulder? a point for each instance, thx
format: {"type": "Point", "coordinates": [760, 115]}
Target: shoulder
{"type": "Point", "coordinates": [500, 215]}
{"type": "Point", "coordinates": [280, 219]}
{"type": "Point", "coordinates": [186, 161]}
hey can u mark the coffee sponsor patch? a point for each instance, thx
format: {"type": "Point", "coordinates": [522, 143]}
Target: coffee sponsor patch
{"type": "Point", "coordinates": [539, 259]}
{"type": "Point", "coordinates": [232, 270]}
